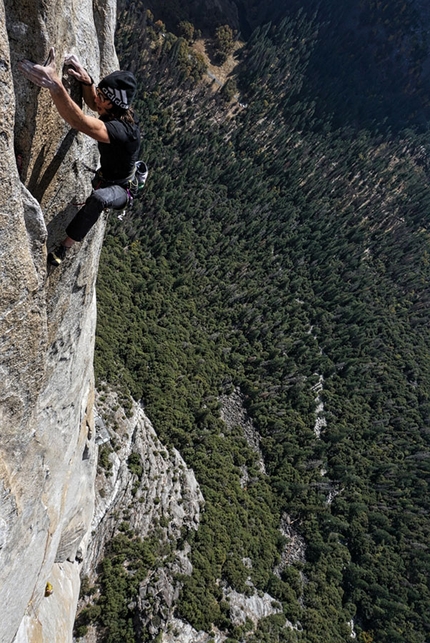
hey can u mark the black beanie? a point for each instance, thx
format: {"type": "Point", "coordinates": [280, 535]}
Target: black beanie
{"type": "Point", "coordinates": [119, 87]}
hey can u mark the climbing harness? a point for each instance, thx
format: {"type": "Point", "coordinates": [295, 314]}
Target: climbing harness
{"type": "Point", "coordinates": [132, 184]}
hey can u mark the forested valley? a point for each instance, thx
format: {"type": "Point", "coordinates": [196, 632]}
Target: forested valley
{"type": "Point", "coordinates": [281, 253]}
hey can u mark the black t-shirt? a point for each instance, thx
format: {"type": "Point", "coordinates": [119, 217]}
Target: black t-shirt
{"type": "Point", "coordinates": [118, 157]}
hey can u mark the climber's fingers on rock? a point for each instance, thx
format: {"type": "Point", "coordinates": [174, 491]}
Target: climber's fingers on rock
{"type": "Point", "coordinates": [41, 75]}
{"type": "Point", "coordinates": [76, 69]}
{"type": "Point", "coordinates": [27, 68]}
{"type": "Point", "coordinates": [38, 74]}
{"type": "Point", "coordinates": [74, 73]}
{"type": "Point", "coordinates": [72, 60]}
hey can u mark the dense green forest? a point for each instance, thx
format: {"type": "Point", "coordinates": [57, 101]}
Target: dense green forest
{"type": "Point", "coordinates": [282, 244]}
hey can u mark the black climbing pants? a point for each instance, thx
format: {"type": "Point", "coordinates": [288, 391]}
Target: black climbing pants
{"type": "Point", "coordinates": [112, 196]}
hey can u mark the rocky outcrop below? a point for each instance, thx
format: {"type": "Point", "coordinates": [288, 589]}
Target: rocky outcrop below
{"type": "Point", "coordinates": [233, 413]}
{"type": "Point", "coordinates": [180, 632]}
{"type": "Point", "coordinates": [151, 488]}
{"type": "Point", "coordinates": [252, 608]}
{"type": "Point", "coordinates": [243, 609]}
{"type": "Point", "coordinates": [320, 420]}
{"type": "Point", "coordinates": [295, 548]}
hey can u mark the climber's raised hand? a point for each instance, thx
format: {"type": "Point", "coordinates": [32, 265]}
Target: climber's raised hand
{"type": "Point", "coordinates": [41, 75]}
{"type": "Point", "coordinates": [46, 76]}
{"type": "Point", "coordinates": [77, 70]}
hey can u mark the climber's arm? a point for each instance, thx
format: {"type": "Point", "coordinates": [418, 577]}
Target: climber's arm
{"type": "Point", "coordinates": [76, 118]}
{"type": "Point", "coordinates": [46, 76]}
{"type": "Point", "coordinates": [89, 94]}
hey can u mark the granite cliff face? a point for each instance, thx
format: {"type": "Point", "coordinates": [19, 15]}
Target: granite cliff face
{"type": "Point", "coordinates": [47, 448]}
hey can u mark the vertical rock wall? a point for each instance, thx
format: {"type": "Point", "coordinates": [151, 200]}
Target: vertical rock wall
{"type": "Point", "coordinates": [47, 321]}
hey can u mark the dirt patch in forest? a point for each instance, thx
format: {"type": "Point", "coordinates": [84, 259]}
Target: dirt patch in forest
{"type": "Point", "coordinates": [220, 72]}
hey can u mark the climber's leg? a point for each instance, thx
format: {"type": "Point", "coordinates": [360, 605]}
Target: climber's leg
{"type": "Point", "coordinates": [113, 196]}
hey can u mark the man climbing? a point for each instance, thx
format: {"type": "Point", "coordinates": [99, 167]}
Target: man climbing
{"type": "Point", "coordinates": [115, 131]}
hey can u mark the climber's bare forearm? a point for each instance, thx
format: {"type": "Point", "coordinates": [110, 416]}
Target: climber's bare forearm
{"type": "Point", "coordinates": [89, 94]}
{"type": "Point", "coordinates": [76, 118]}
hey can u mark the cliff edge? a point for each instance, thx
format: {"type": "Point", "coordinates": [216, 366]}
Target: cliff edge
{"type": "Point", "coordinates": [47, 447]}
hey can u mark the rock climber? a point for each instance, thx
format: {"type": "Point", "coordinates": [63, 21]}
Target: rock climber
{"type": "Point", "coordinates": [115, 130]}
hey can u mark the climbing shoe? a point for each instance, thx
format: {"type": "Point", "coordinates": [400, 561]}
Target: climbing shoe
{"type": "Point", "coordinates": [57, 256]}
